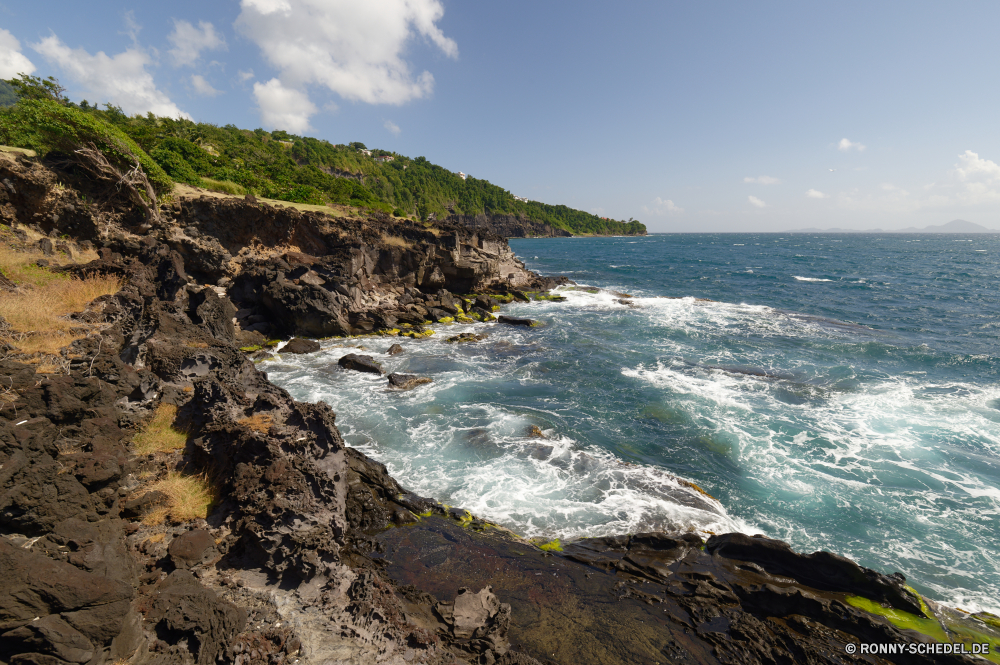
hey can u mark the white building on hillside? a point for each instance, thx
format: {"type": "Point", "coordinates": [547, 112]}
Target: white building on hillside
{"type": "Point", "coordinates": [462, 175]}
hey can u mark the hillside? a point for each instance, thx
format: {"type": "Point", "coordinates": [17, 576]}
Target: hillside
{"type": "Point", "coordinates": [287, 167]}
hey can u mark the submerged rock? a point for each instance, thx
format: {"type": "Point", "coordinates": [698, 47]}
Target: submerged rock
{"type": "Point", "coordinates": [299, 345]}
{"type": "Point", "coordinates": [407, 381]}
{"type": "Point", "coordinates": [360, 363]}
{"type": "Point", "coordinates": [510, 320]}
{"type": "Point", "coordinates": [468, 337]}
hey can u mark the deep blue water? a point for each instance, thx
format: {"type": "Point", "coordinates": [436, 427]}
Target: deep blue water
{"type": "Point", "coordinates": [835, 391]}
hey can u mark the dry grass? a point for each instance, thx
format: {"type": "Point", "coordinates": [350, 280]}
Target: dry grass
{"type": "Point", "coordinates": [258, 422]}
{"type": "Point", "coordinates": [188, 497]}
{"type": "Point", "coordinates": [35, 312]}
{"type": "Point", "coordinates": [159, 435]}
{"type": "Point", "coordinates": [395, 241]}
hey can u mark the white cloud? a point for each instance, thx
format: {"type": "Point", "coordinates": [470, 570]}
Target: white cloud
{"type": "Point", "coordinates": [971, 167]}
{"type": "Point", "coordinates": [203, 87]}
{"type": "Point", "coordinates": [846, 145]}
{"type": "Point", "coordinates": [12, 61]}
{"type": "Point", "coordinates": [244, 76]}
{"type": "Point", "coordinates": [762, 180]}
{"type": "Point", "coordinates": [816, 194]}
{"type": "Point", "coordinates": [190, 41]}
{"type": "Point", "coordinates": [283, 108]}
{"type": "Point", "coordinates": [392, 127]}
{"type": "Point", "coordinates": [121, 79]}
{"type": "Point", "coordinates": [662, 207]}
{"type": "Point", "coordinates": [754, 201]}
{"type": "Point", "coordinates": [354, 49]}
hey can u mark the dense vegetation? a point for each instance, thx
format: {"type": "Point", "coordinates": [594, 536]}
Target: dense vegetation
{"type": "Point", "coordinates": [275, 165]}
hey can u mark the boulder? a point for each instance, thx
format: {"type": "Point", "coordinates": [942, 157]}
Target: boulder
{"type": "Point", "coordinates": [360, 363]}
{"type": "Point", "coordinates": [184, 612]}
{"type": "Point", "coordinates": [510, 320]}
{"type": "Point", "coordinates": [468, 337]}
{"type": "Point", "coordinates": [192, 548]}
{"type": "Point", "coordinates": [394, 349]}
{"type": "Point", "coordinates": [407, 381]}
{"type": "Point", "coordinates": [299, 345]}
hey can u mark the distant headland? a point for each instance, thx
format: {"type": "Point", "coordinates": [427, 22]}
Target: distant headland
{"type": "Point", "coordinates": [954, 226]}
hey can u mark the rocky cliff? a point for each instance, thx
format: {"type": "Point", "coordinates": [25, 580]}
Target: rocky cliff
{"type": "Point", "coordinates": [297, 560]}
{"type": "Point", "coordinates": [509, 226]}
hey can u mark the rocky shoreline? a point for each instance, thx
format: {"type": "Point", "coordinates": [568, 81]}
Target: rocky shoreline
{"type": "Point", "coordinates": [311, 552]}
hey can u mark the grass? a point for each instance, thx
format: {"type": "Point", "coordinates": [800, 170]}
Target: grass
{"type": "Point", "coordinates": [395, 241]}
{"type": "Point", "coordinates": [159, 434]}
{"type": "Point", "coordinates": [258, 422]}
{"type": "Point", "coordinates": [223, 187]}
{"type": "Point", "coordinates": [36, 311]}
{"type": "Point", "coordinates": [188, 497]}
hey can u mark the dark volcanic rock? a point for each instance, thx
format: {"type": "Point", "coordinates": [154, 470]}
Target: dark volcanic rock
{"type": "Point", "coordinates": [192, 548]}
{"type": "Point", "coordinates": [183, 612]}
{"type": "Point", "coordinates": [299, 345]}
{"type": "Point", "coordinates": [468, 337]}
{"type": "Point", "coordinates": [510, 226]}
{"type": "Point", "coordinates": [517, 322]}
{"type": "Point", "coordinates": [360, 363]}
{"type": "Point", "coordinates": [407, 381]}
{"type": "Point", "coordinates": [820, 570]}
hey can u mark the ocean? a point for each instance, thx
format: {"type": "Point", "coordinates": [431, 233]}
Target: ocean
{"type": "Point", "coordinates": [839, 392]}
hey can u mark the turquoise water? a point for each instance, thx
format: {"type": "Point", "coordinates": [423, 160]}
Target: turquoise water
{"type": "Point", "coordinates": [835, 391]}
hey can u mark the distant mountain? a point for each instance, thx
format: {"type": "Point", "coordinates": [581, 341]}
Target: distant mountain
{"type": "Point", "coordinates": [954, 226]}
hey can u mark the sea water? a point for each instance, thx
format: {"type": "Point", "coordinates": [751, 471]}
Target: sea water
{"type": "Point", "coordinates": [838, 392]}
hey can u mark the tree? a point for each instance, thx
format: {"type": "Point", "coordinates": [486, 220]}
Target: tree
{"type": "Point", "coordinates": [8, 96]}
{"type": "Point", "coordinates": [34, 87]}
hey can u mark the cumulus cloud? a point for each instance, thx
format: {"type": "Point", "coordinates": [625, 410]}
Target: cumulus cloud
{"type": "Point", "coordinates": [973, 167]}
{"type": "Point", "coordinates": [662, 207]}
{"type": "Point", "coordinates": [754, 201]}
{"type": "Point", "coordinates": [121, 79]}
{"type": "Point", "coordinates": [392, 127]}
{"type": "Point", "coordinates": [762, 180]}
{"type": "Point", "coordinates": [203, 87]}
{"type": "Point", "coordinates": [816, 194]}
{"type": "Point", "coordinates": [354, 49]}
{"type": "Point", "coordinates": [12, 61]}
{"type": "Point", "coordinates": [847, 145]}
{"type": "Point", "coordinates": [189, 42]}
{"type": "Point", "coordinates": [283, 108]}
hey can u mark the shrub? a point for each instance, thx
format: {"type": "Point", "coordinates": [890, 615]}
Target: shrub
{"type": "Point", "coordinates": [176, 166]}
{"type": "Point", "coordinates": [45, 125]}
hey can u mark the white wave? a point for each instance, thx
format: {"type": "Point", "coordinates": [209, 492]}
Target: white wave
{"type": "Point", "coordinates": [811, 279]}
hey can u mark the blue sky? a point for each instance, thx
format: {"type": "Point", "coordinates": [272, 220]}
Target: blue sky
{"type": "Point", "coordinates": [708, 116]}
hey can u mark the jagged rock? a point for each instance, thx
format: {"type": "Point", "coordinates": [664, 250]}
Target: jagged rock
{"type": "Point", "coordinates": [184, 612]}
{"type": "Point", "coordinates": [49, 636]}
{"type": "Point", "coordinates": [820, 570]}
{"type": "Point", "coordinates": [394, 349]}
{"type": "Point", "coordinates": [407, 381]}
{"type": "Point", "coordinates": [192, 548]}
{"type": "Point", "coordinates": [360, 363]}
{"type": "Point", "coordinates": [468, 337]}
{"type": "Point", "coordinates": [299, 345]}
{"type": "Point", "coordinates": [517, 322]}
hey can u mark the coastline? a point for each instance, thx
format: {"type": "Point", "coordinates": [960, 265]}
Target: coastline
{"type": "Point", "coordinates": [298, 558]}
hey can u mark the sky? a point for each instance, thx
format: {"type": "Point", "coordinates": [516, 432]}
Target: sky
{"type": "Point", "coordinates": [688, 116]}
